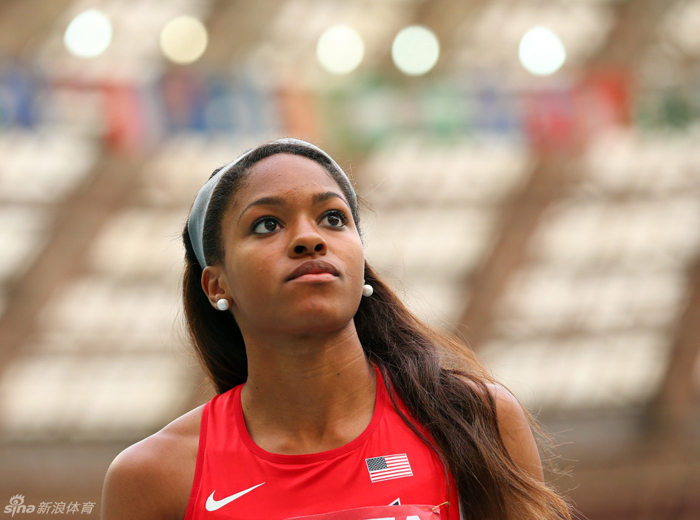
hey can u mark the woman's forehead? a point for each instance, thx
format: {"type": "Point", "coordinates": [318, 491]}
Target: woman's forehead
{"type": "Point", "coordinates": [286, 173]}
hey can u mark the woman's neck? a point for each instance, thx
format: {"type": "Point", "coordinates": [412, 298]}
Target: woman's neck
{"type": "Point", "coordinates": [307, 394]}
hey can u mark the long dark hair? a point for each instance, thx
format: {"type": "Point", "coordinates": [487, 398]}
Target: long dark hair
{"type": "Point", "coordinates": [439, 379]}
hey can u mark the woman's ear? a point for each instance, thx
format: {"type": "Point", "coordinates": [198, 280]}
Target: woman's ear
{"type": "Point", "coordinates": [214, 284]}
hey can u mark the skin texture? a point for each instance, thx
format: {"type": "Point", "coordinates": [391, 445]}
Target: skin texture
{"type": "Point", "coordinates": [516, 432]}
{"type": "Point", "coordinates": [309, 388]}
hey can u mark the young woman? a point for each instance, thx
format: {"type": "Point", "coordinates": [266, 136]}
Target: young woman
{"type": "Point", "coordinates": [334, 402]}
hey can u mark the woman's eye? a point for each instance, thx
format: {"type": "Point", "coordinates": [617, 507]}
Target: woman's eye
{"type": "Point", "coordinates": [265, 225]}
{"type": "Point", "coordinates": [334, 219]}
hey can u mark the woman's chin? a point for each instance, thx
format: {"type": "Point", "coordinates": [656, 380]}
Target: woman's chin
{"type": "Point", "coordinates": [316, 322]}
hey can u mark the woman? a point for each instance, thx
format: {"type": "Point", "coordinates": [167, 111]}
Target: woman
{"type": "Point", "coordinates": [334, 401]}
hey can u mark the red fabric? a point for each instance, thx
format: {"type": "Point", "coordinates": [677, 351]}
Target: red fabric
{"type": "Point", "coordinates": [240, 480]}
{"type": "Point", "coordinates": [380, 513]}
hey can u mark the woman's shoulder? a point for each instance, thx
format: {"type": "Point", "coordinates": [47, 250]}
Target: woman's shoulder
{"type": "Point", "coordinates": [508, 408]}
{"type": "Point", "coordinates": [153, 478]}
{"type": "Point", "coordinates": [515, 430]}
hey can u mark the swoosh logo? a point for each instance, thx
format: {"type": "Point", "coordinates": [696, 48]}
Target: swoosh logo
{"type": "Point", "coordinates": [213, 505]}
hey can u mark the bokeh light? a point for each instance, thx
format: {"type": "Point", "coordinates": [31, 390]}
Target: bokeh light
{"type": "Point", "coordinates": [183, 40]}
{"type": "Point", "coordinates": [541, 51]}
{"type": "Point", "coordinates": [340, 49]}
{"type": "Point", "coordinates": [415, 50]}
{"type": "Point", "coordinates": [89, 34]}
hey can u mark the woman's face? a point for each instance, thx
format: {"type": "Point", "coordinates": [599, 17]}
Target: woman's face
{"type": "Point", "coordinates": [293, 259]}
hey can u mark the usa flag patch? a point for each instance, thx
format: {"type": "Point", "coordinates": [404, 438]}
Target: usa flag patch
{"type": "Point", "coordinates": [388, 467]}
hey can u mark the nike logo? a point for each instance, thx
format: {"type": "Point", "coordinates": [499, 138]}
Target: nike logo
{"type": "Point", "coordinates": [213, 505]}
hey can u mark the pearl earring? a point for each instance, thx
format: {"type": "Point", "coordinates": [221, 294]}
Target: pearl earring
{"type": "Point", "coordinates": [222, 304]}
{"type": "Point", "coordinates": [367, 290]}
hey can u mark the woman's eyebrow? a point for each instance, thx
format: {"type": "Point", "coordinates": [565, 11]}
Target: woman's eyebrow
{"type": "Point", "coordinates": [318, 198]}
{"type": "Point", "coordinates": [272, 200]}
{"type": "Point", "coordinates": [263, 201]}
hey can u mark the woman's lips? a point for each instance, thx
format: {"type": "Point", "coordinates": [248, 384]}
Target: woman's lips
{"type": "Point", "coordinates": [315, 277]}
{"type": "Point", "coordinates": [318, 270]}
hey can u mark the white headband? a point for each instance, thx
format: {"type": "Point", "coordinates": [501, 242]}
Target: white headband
{"type": "Point", "coordinates": [198, 213]}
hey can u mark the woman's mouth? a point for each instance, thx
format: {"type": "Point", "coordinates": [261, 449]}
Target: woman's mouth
{"type": "Point", "coordinates": [314, 270]}
{"type": "Point", "coordinates": [316, 277]}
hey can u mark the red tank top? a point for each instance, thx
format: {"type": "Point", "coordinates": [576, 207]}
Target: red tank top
{"type": "Point", "coordinates": [386, 473]}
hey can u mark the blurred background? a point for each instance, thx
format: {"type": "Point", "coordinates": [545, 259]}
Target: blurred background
{"type": "Point", "coordinates": [532, 176]}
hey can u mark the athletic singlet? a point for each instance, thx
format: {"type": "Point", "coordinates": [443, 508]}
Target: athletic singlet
{"type": "Point", "coordinates": [386, 473]}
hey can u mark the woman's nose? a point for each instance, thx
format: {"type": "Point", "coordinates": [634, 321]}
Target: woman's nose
{"type": "Point", "coordinates": [307, 242]}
